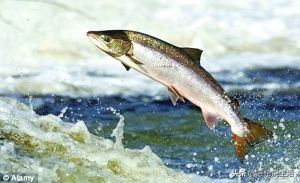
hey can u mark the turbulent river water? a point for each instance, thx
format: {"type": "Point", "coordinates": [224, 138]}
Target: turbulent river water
{"type": "Point", "coordinates": [71, 114]}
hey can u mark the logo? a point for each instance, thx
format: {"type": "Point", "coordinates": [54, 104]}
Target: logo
{"type": "Point", "coordinates": [5, 178]}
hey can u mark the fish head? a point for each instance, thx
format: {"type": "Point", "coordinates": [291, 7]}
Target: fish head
{"type": "Point", "coordinates": [114, 42]}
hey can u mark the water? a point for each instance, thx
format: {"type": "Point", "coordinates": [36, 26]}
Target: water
{"type": "Point", "coordinates": [64, 152]}
{"type": "Point", "coordinates": [62, 98]}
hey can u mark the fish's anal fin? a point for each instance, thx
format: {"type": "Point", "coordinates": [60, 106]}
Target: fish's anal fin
{"type": "Point", "coordinates": [194, 53]}
{"type": "Point", "coordinates": [255, 134]}
{"type": "Point", "coordinates": [126, 67]}
{"type": "Point", "coordinates": [210, 119]}
{"type": "Point", "coordinates": [175, 95]}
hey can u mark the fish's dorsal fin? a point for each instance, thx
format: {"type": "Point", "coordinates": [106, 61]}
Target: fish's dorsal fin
{"type": "Point", "coordinates": [126, 67]}
{"type": "Point", "coordinates": [210, 119]}
{"type": "Point", "coordinates": [175, 95]}
{"type": "Point", "coordinates": [194, 53]}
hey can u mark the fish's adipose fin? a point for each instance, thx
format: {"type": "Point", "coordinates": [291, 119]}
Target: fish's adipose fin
{"type": "Point", "coordinates": [175, 95]}
{"type": "Point", "coordinates": [210, 119]}
{"type": "Point", "coordinates": [235, 102]}
{"type": "Point", "coordinates": [194, 53]}
{"type": "Point", "coordinates": [256, 134]}
{"type": "Point", "coordinates": [126, 67]}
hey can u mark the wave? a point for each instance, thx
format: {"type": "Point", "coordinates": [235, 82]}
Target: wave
{"type": "Point", "coordinates": [55, 56]}
{"type": "Point", "coordinates": [64, 152]}
{"type": "Point", "coordinates": [60, 151]}
{"type": "Point", "coordinates": [111, 79]}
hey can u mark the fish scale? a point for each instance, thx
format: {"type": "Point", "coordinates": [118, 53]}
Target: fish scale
{"type": "Point", "coordinates": [179, 70]}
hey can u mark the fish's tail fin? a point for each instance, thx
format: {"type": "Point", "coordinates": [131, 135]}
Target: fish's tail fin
{"type": "Point", "coordinates": [255, 134]}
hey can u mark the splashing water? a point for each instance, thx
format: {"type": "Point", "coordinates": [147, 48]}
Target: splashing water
{"type": "Point", "coordinates": [118, 131]}
{"type": "Point", "coordinates": [251, 48]}
{"type": "Point", "coordinates": [59, 151]}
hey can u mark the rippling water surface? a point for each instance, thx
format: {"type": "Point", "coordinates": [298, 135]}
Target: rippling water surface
{"type": "Point", "coordinates": [72, 114]}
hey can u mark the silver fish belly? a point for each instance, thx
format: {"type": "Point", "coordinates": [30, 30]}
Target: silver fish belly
{"type": "Point", "coordinates": [179, 70]}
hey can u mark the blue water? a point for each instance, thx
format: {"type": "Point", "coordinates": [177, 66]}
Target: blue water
{"type": "Point", "coordinates": [178, 135]}
{"type": "Point", "coordinates": [47, 62]}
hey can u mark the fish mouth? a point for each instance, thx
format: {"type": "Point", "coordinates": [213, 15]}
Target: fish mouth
{"type": "Point", "coordinates": [92, 34]}
{"type": "Point", "coordinates": [95, 39]}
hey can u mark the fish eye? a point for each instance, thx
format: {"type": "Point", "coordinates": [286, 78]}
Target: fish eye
{"type": "Point", "coordinates": [106, 39]}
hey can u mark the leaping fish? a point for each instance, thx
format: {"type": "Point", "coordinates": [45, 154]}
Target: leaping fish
{"type": "Point", "coordinates": [179, 69]}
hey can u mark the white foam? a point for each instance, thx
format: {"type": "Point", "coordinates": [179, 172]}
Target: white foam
{"type": "Point", "coordinates": [46, 41]}
{"type": "Point", "coordinates": [60, 151]}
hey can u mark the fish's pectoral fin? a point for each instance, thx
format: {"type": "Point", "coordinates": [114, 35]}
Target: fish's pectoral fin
{"type": "Point", "coordinates": [194, 53]}
{"type": "Point", "coordinates": [126, 67]}
{"type": "Point", "coordinates": [210, 119]}
{"type": "Point", "coordinates": [175, 95]}
{"type": "Point", "coordinates": [134, 60]}
{"type": "Point", "coordinates": [135, 63]}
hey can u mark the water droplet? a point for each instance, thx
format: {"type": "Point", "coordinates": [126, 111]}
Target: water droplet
{"type": "Point", "coordinates": [281, 125]}
{"type": "Point", "coordinates": [216, 159]}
